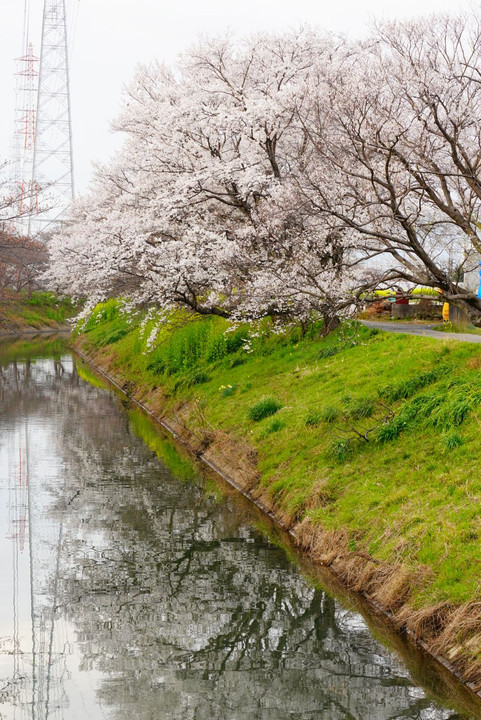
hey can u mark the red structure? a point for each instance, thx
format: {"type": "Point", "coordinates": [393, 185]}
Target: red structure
{"type": "Point", "coordinates": [24, 192]}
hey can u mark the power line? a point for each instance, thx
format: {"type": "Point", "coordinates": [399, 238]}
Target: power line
{"type": "Point", "coordinates": [72, 23]}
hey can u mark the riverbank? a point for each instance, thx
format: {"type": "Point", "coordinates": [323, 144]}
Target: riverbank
{"type": "Point", "coordinates": [135, 546]}
{"type": "Point", "coordinates": [363, 445]}
{"type": "Point", "coordinates": [29, 314]}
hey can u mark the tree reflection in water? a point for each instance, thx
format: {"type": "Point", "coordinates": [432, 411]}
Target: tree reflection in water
{"type": "Point", "coordinates": [185, 610]}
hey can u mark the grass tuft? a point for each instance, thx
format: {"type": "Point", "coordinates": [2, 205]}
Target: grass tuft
{"type": "Point", "coordinates": [329, 414]}
{"type": "Point", "coordinates": [452, 440]}
{"type": "Point", "coordinates": [314, 418]}
{"type": "Point", "coordinates": [407, 388]}
{"type": "Point", "coordinates": [275, 425]}
{"type": "Point", "coordinates": [264, 408]}
{"type": "Point", "coordinates": [361, 408]}
{"type": "Point", "coordinates": [389, 431]}
{"type": "Point", "coordinates": [329, 352]}
{"type": "Point", "coordinates": [340, 449]}
{"type": "Point", "coordinates": [199, 378]}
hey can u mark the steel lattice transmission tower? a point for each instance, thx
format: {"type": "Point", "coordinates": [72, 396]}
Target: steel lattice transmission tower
{"type": "Point", "coordinates": [53, 157]}
{"type": "Point", "coordinates": [23, 193]}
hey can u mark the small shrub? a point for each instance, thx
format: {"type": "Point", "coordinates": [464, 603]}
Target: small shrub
{"type": "Point", "coordinates": [427, 309]}
{"type": "Point", "coordinates": [40, 298]}
{"type": "Point", "coordinates": [264, 408]}
{"type": "Point", "coordinates": [103, 312]}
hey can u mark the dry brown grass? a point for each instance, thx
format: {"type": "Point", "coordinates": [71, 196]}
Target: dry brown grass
{"type": "Point", "coordinates": [319, 494]}
{"type": "Point", "coordinates": [446, 630]}
{"type": "Point", "coordinates": [474, 363]}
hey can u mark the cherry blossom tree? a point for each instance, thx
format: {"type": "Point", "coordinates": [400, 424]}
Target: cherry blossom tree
{"type": "Point", "coordinates": [289, 174]}
{"type": "Point", "coordinates": [397, 155]}
{"type": "Point", "coordinates": [22, 261]}
{"type": "Point", "coordinates": [200, 209]}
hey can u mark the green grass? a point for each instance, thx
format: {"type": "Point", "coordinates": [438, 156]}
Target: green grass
{"type": "Point", "coordinates": [37, 310]}
{"type": "Point", "coordinates": [371, 432]}
{"type": "Point", "coordinates": [264, 408]}
{"type": "Point", "coordinates": [456, 328]}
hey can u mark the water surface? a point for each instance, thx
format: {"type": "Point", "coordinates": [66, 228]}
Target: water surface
{"type": "Point", "coordinates": [130, 590]}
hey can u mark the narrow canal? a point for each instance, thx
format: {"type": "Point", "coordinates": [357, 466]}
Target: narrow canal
{"type": "Point", "coordinates": [132, 589]}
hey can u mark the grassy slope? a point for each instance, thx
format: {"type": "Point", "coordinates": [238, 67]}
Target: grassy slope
{"type": "Point", "coordinates": [35, 311]}
{"type": "Point", "coordinates": [409, 497]}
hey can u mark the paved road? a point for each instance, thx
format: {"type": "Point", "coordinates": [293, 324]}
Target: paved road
{"type": "Point", "coordinates": [422, 330]}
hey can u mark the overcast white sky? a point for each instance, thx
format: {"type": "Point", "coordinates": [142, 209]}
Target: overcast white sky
{"type": "Point", "coordinates": [112, 36]}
